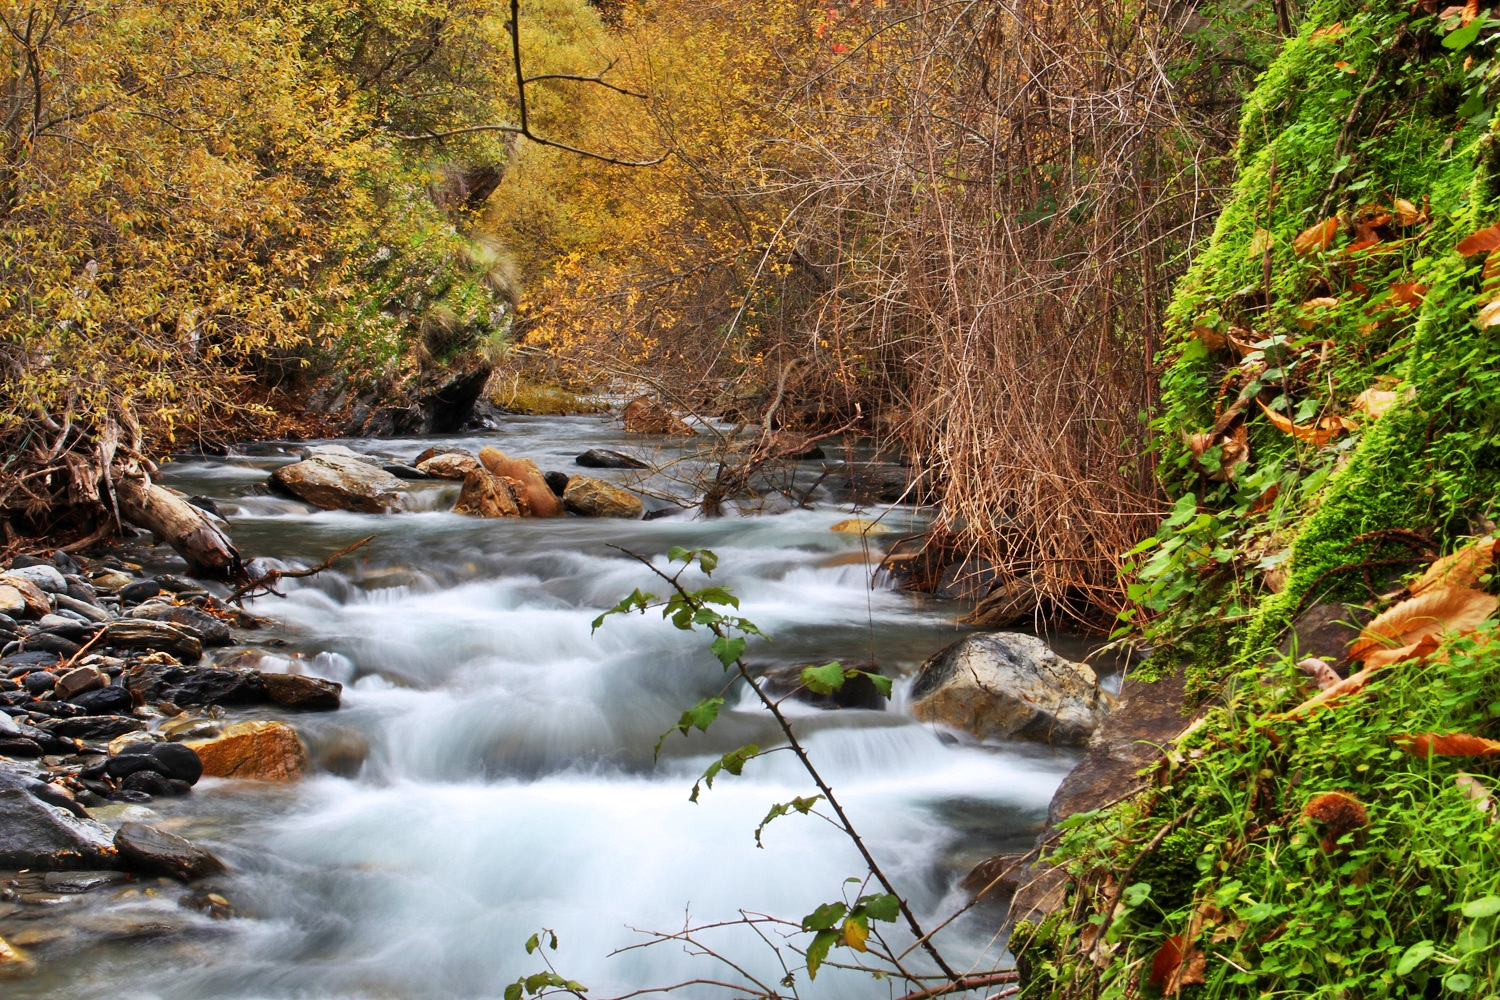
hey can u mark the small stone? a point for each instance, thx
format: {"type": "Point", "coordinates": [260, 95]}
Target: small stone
{"type": "Point", "coordinates": [137, 592]}
{"type": "Point", "coordinates": [209, 630]}
{"type": "Point", "coordinates": [449, 466]}
{"type": "Point", "coordinates": [33, 598]}
{"type": "Point", "coordinates": [604, 458]}
{"type": "Point", "coordinates": [78, 882]}
{"type": "Point", "coordinates": [596, 498]}
{"type": "Point", "coordinates": [119, 743]}
{"type": "Point", "coordinates": [557, 482]}
{"type": "Point", "coordinates": [18, 748]}
{"type": "Point", "coordinates": [335, 482]}
{"type": "Point", "coordinates": [152, 782]}
{"type": "Point", "coordinates": [39, 682]}
{"type": "Point", "coordinates": [173, 760]}
{"type": "Point", "coordinates": [92, 612]}
{"type": "Point", "coordinates": [78, 680]}
{"type": "Point", "coordinates": [46, 578]}
{"type": "Point", "coordinates": [299, 691]}
{"type": "Point", "coordinates": [109, 700]}
{"type": "Point", "coordinates": [860, 526]}
{"type": "Point", "coordinates": [195, 685]}
{"type": "Point", "coordinates": [11, 602]}
{"type": "Point", "coordinates": [111, 581]}
{"type": "Point", "coordinates": [142, 633]}
{"type": "Point", "coordinates": [39, 835]}
{"type": "Point", "coordinates": [264, 751]}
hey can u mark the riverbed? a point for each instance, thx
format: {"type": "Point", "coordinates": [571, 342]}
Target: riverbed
{"type": "Point", "coordinates": [492, 773]}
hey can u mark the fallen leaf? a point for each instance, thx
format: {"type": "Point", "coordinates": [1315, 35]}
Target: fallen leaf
{"type": "Point", "coordinates": [1360, 246]}
{"type": "Point", "coordinates": [1259, 244]}
{"type": "Point", "coordinates": [1316, 236]}
{"type": "Point", "coordinates": [1406, 213]}
{"type": "Point", "coordinates": [1324, 431]}
{"type": "Point", "coordinates": [1321, 673]}
{"type": "Point", "coordinates": [1357, 682]}
{"type": "Point", "coordinates": [1461, 569]}
{"type": "Point", "coordinates": [1266, 499]}
{"type": "Point", "coordinates": [1198, 444]}
{"type": "Point", "coordinates": [1369, 218]}
{"type": "Point", "coordinates": [1236, 451]}
{"type": "Point", "coordinates": [1177, 965]}
{"type": "Point", "coordinates": [1485, 239]}
{"type": "Point", "coordinates": [1329, 33]}
{"type": "Point", "coordinates": [1451, 745]}
{"type": "Point", "coordinates": [1212, 339]}
{"type": "Point", "coordinates": [1475, 791]}
{"type": "Point", "coordinates": [1316, 310]}
{"type": "Point", "coordinates": [1412, 651]}
{"type": "Point", "coordinates": [1489, 315]}
{"type": "Point", "coordinates": [1407, 293]}
{"type": "Point", "coordinates": [1229, 932]}
{"type": "Point", "coordinates": [1374, 402]}
{"type": "Point", "coordinates": [1438, 610]}
{"type": "Point", "coordinates": [1242, 340]}
{"type": "Point", "coordinates": [1471, 11]}
{"type": "Point", "coordinates": [1340, 813]}
{"type": "Point", "coordinates": [1451, 12]}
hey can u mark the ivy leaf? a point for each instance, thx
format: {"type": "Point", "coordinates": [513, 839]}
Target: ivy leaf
{"type": "Point", "coordinates": [881, 681]}
{"type": "Point", "coordinates": [728, 650]}
{"type": "Point", "coordinates": [637, 599]}
{"type": "Point", "coordinates": [801, 804]}
{"type": "Point", "coordinates": [825, 679]}
{"type": "Point", "coordinates": [700, 716]}
{"type": "Point", "coordinates": [734, 762]}
{"type": "Point", "coordinates": [716, 595]}
{"type": "Point", "coordinates": [884, 907]}
{"type": "Point", "coordinates": [818, 950]}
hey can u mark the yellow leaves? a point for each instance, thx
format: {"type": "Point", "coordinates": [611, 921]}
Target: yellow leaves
{"type": "Point", "coordinates": [1397, 633]}
{"type": "Point", "coordinates": [855, 935]}
{"type": "Point", "coordinates": [1463, 568]}
{"type": "Point", "coordinates": [1325, 430]}
{"type": "Point", "coordinates": [1316, 236]}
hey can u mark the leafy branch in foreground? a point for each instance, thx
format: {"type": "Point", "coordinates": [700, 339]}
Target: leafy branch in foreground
{"type": "Point", "coordinates": [838, 924]}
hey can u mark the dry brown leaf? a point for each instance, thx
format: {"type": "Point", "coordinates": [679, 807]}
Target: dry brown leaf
{"type": "Point", "coordinates": [1357, 682]}
{"type": "Point", "coordinates": [1461, 569]}
{"type": "Point", "coordinates": [1451, 745]}
{"type": "Point", "coordinates": [1439, 610]}
{"type": "Point", "coordinates": [1322, 674]}
{"type": "Point", "coordinates": [1329, 33]}
{"type": "Point", "coordinates": [1197, 443]}
{"type": "Point", "coordinates": [1230, 932]}
{"type": "Point", "coordinates": [1316, 236]}
{"type": "Point", "coordinates": [1340, 815]}
{"type": "Point", "coordinates": [1261, 242]}
{"type": "Point", "coordinates": [1448, 12]}
{"type": "Point", "coordinates": [1242, 340]}
{"type": "Point", "coordinates": [1477, 792]}
{"type": "Point", "coordinates": [1177, 965]}
{"type": "Point", "coordinates": [1485, 239]}
{"type": "Point", "coordinates": [1266, 499]}
{"type": "Point", "coordinates": [1374, 403]}
{"type": "Point", "coordinates": [1324, 431]}
{"type": "Point", "coordinates": [1489, 315]}
{"type": "Point", "coordinates": [1407, 293]}
{"type": "Point", "coordinates": [1471, 11]}
{"type": "Point", "coordinates": [1212, 339]}
{"type": "Point", "coordinates": [1378, 658]}
{"type": "Point", "coordinates": [1235, 451]}
{"type": "Point", "coordinates": [1405, 212]}
{"type": "Point", "coordinates": [1310, 315]}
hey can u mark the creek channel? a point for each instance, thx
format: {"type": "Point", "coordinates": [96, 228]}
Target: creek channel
{"type": "Point", "coordinates": [503, 778]}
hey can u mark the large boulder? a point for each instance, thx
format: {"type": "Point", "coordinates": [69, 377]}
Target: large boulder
{"type": "Point", "coordinates": [644, 415]}
{"type": "Point", "coordinates": [449, 465]}
{"type": "Point", "coordinates": [535, 496]}
{"type": "Point", "coordinates": [1005, 685]}
{"type": "Point", "coordinates": [487, 495]}
{"type": "Point", "coordinates": [596, 498]}
{"type": "Point", "coordinates": [335, 482]}
{"type": "Point", "coordinates": [263, 751]}
{"type": "Point", "coordinates": [157, 852]}
{"type": "Point", "coordinates": [39, 835]}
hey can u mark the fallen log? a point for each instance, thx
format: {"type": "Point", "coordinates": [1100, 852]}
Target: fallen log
{"type": "Point", "coordinates": [189, 531]}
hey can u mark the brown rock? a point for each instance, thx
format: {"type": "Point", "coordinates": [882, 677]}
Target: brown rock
{"type": "Point", "coordinates": [596, 498]}
{"type": "Point", "coordinates": [32, 596]}
{"type": "Point", "coordinates": [537, 498]}
{"type": "Point", "coordinates": [860, 526]}
{"type": "Point", "coordinates": [337, 482]}
{"type": "Point", "coordinates": [11, 602]}
{"type": "Point", "coordinates": [486, 495]}
{"type": "Point", "coordinates": [644, 415]}
{"type": "Point", "coordinates": [157, 852]}
{"type": "Point", "coordinates": [299, 691]}
{"type": "Point", "coordinates": [79, 680]}
{"type": "Point", "coordinates": [263, 751]}
{"type": "Point", "coordinates": [448, 465]}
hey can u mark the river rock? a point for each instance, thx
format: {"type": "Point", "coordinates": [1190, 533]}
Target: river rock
{"type": "Point", "coordinates": [334, 482]}
{"type": "Point", "coordinates": [109, 700]}
{"type": "Point", "coordinates": [78, 680]}
{"type": "Point", "coordinates": [449, 465]}
{"type": "Point", "coordinates": [486, 495]}
{"type": "Point", "coordinates": [557, 482]}
{"type": "Point", "coordinates": [860, 526]}
{"type": "Point", "coordinates": [264, 751]}
{"type": "Point", "coordinates": [143, 633]}
{"type": "Point", "coordinates": [210, 631]}
{"type": "Point", "coordinates": [338, 451]}
{"type": "Point", "coordinates": [35, 834]}
{"type": "Point", "coordinates": [173, 760]}
{"type": "Point", "coordinates": [644, 415]}
{"type": "Point", "coordinates": [1005, 685]}
{"type": "Point", "coordinates": [157, 852]}
{"type": "Point", "coordinates": [48, 579]}
{"type": "Point", "coordinates": [535, 496]}
{"type": "Point", "coordinates": [604, 458]}
{"type": "Point", "coordinates": [89, 610]}
{"type": "Point", "coordinates": [195, 685]}
{"type": "Point", "coordinates": [34, 602]}
{"type": "Point", "coordinates": [11, 602]}
{"type": "Point", "coordinates": [596, 498]}
{"type": "Point", "coordinates": [434, 451]}
{"type": "Point", "coordinates": [13, 961]}
{"type": "Point", "coordinates": [313, 694]}
{"type": "Point", "coordinates": [93, 728]}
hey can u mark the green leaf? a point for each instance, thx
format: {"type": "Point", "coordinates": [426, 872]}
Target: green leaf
{"type": "Point", "coordinates": [825, 679]}
{"type": "Point", "coordinates": [734, 762]}
{"type": "Point", "coordinates": [716, 595]}
{"type": "Point", "coordinates": [818, 950]}
{"type": "Point", "coordinates": [881, 681]}
{"type": "Point", "coordinates": [1415, 956]}
{"type": "Point", "coordinates": [700, 717]}
{"type": "Point", "coordinates": [533, 943]}
{"type": "Point", "coordinates": [1484, 906]}
{"type": "Point", "coordinates": [801, 804]}
{"type": "Point", "coordinates": [707, 561]}
{"type": "Point", "coordinates": [1464, 37]}
{"type": "Point", "coordinates": [824, 917]}
{"type": "Point", "coordinates": [637, 599]}
{"type": "Point", "coordinates": [1458, 982]}
{"type": "Point", "coordinates": [1135, 895]}
{"type": "Point", "coordinates": [728, 650]}
{"type": "Point", "coordinates": [679, 554]}
{"type": "Point", "coordinates": [513, 991]}
{"type": "Point", "coordinates": [883, 906]}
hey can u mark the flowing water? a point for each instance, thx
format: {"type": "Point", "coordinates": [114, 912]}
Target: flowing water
{"type": "Point", "coordinates": [509, 783]}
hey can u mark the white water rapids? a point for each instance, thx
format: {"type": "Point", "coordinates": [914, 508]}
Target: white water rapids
{"type": "Point", "coordinates": [509, 783]}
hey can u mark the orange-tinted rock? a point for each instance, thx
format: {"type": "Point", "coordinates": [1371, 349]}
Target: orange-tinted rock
{"type": "Point", "coordinates": [537, 498]}
{"type": "Point", "coordinates": [486, 495]}
{"type": "Point", "coordinates": [263, 751]}
{"type": "Point", "coordinates": [449, 465]}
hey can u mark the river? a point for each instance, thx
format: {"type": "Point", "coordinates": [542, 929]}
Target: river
{"type": "Point", "coordinates": [509, 782]}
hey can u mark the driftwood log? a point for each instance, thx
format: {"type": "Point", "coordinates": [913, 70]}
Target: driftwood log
{"type": "Point", "coordinates": [190, 531]}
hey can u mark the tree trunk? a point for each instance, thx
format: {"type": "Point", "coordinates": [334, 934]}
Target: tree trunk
{"type": "Point", "coordinates": [187, 529]}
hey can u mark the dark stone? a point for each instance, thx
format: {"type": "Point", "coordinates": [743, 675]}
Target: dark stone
{"type": "Point", "coordinates": [112, 700]}
{"type": "Point", "coordinates": [56, 709]}
{"type": "Point", "coordinates": [298, 691]}
{"type": "Point", "coordinates": [135, 593]}
{"type": "Point", "coordinates": [604, 458]}
{"type": "Point", "coordinates": [66, 563]}
{"type": "Point", "coordinates": [557, 481]}
{"type": "Point", "coordinates": [45, 642]}
{"type": "Point", "coordinates": [879, 484]}
{"type": "Point", "coordinates": [157, 852]}
{"type": "Point", "coordinates": [1147, 717]}
{"type": "Point", "coordinates": [30, 660]}
{"type": "Point", "coordinates": [209, 630]}
{"type": "Point", "coordinates": [129, 795]}
{"type": "Point", "coordinates": [23, 561]}
{"type": "Point", "coordinates": [38, 681]}
{"type": "Point", "coordinates": [8, 623]}
{"type": "Point", "coordinates": [78, 882]}
{"type": "Point", "coordinates": [142, 633]}
{"type": "Point", "coordinates": [11, 729]}
{"type": "Point", "coordinates": [19, 749]}
{"type": "Point", "coordinates": [94, 728]}
{"type": "Point", "coordinates": [172, 759]}
{"type": "Point", "coordinates": [46, 792]}
{"type": "Point", "coordinates": [448, 404]}
{"type": "Point", "coordinates": [404, 471]}
{"type": "Point", "coordinates": [195, 685]}
{"type": "Point", "coordinates": [1325, 630]}
{"type": "Point", "coordinates": [38, 835]}
{"type": "Point", "coordinates": [857, 692]}
{"type": "Point", "coordinates": [151, 782]}
{"type": "Point", "coordinates": [206, 503]}
{"type": "Point", "coordinates": [177, 585]}
{"type": "Point", "coordinates": [77, 632]}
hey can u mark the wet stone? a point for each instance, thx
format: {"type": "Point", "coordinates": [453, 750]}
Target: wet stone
{"type": "Point", "coordinates": [157, 852]}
